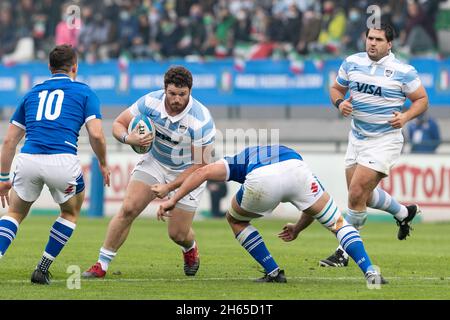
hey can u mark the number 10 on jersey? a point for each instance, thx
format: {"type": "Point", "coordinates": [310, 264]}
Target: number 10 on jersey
{"type": "Point", "coordinates": [48, 102]}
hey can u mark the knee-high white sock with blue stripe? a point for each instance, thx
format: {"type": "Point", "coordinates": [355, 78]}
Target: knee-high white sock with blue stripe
{"type": "Point", "coordinates": [384, 201]}
{"type": "Point", "coordinates": [60, 233]}
{"type": "Point", "coordinates": [327, 217]}
{"type": "Point", "coordinates": [252, 241]}
{"type": "Point", "coordinates": [8, 231]}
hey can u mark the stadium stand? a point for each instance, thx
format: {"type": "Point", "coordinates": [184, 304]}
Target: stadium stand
{"type": "Point", "coordinates": [202, 29]}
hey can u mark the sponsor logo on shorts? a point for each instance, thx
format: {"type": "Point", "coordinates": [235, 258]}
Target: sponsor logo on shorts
{"type": "Point", "coordinates": [69, 189]}
{"type": "Point", "coordinates": [314, 187]}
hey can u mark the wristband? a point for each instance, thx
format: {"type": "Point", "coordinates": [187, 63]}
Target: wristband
{"type": "Point", "coordinates": [4, 177]}
{"type": "Point", "coordinates": [124, 137]}
{"type": "Point", "coordinates": [338, 102]}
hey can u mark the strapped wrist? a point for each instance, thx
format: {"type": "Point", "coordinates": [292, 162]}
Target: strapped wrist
{"type": "Point", "coordinates": [338, 102]}
{"type": "Point", "coordinates": [124, 137]}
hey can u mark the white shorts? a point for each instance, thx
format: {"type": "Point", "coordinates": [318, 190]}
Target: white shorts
{"type": "Point", "coordinates": [287, 181]}
{"type": "Point", "coordinates": [151, 171]}
{"type": "Point", "coordinates": [378, 153]}
{"type": "Point", "coordinates": [60, 172]}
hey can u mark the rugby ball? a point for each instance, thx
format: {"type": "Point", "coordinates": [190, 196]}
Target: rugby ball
{"type": "Point", "coordinates": [144, 125]}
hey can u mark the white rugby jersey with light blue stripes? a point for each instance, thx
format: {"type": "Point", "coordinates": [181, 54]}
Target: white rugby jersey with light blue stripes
{"type": "Point", "coordinates": [378, 89]}
{"type": "Point", "coordinates": [176, 134]}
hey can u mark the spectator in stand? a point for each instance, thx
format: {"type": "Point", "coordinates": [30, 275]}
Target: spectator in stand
{"type": "Point", "coordinates": [196, 29]}
{"type": "Point", "coordinates": [225, 22]}
{"type": "Point", "coordinates": [140, 48]}
{"type": "Point", "coordinates": [67, 30]}
{"type": "Point", "coordinates": [242, 28]}
{"type": "Point", "coordinates": [397, 12]}
{"type": "Point", "coordinates": [168, 37]}
{"type": "Point", "coordinates": [355, 31]}
{"type": "Point", "coordinates": [8, 34]}
{"type": "Point", "coordinates": [293, 25]}
{"type": "Point", "coordinates": [183, 7]}
{"type": "Point", "coordinates": [310, 31]}
{"type": "Point", "coordinates": [332, 29]}
{"type": "Point", "coordinates": [423, 134]}
{"type": "Point", "coordinates": [418, 35]}
{"type": "Point", "coordinates": [102, 35]}
{"type": "Point", "coordinates": [209, 46]}
{"type": "Point", "coordinates": [128, 27]}
{"type": "Point", "coordinates": [261, 24]}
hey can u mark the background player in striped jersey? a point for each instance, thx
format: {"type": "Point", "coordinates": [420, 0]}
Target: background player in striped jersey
{"type": "Point", "coordinates": [379, 85]}
{"type": "Point", "coordinates": [51, 116]}
{"type": "Point", "coordinates": [185, 134]}
{"type": "Point", "coordinates": [268, 176]}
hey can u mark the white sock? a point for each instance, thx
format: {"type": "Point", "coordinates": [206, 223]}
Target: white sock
{"type": "Point", "coordinates": [188, 248]}
{"type": "Point", "coordinates": [105, 257]}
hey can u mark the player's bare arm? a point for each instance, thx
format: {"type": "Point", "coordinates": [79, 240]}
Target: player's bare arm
{"type": "Point", "coordinates": [419, 99]}
{"type": "Point", "coordinates": [12, 139]}
{"type": "Point", "coordinates": [120, 131]}
{"type": "Point", "coordinates": [98, 144]}
{"type": "Point", "coordinates": [290, 230]}
{"type": "Point", "coordinates": [337, 95]}
{"type": "Point", "coordinates": [214, 171]}
{"type": "Point", "coordinates": [201, 156]}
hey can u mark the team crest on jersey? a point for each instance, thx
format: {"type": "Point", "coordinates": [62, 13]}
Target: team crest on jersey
{"type": "Point", "coordinates": [388, 73]}
{"type": "Point", "coordinates": [182, 129]}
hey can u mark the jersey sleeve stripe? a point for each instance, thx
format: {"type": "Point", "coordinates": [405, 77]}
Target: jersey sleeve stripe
{"type": "Point", "coordinates": [17, 124]}
{"type": "Point", "coordinates": [411, 86]}
{"type": "Point", "coordinates": [342, 82]}
{"type": "Point", "coordinates": [90, 118]}
{"type": "Point", "coordinates": [227, 167]}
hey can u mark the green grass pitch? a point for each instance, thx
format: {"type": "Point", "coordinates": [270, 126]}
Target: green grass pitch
{"type": "Point", "coordinates": [151, 265]}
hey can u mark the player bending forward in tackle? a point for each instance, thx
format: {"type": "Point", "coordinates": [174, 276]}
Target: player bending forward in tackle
{"type": "Point", "coordinates": [270, 175]}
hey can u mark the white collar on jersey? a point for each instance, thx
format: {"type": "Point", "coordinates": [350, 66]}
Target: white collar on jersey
{"type": "Point", "coordinates": [387, 58]}
{"type": "Point", "coordinates": [177, 117]}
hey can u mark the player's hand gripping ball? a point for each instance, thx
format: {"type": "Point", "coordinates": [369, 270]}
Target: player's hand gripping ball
{"type": "Point", "coordinates": [143, 125]}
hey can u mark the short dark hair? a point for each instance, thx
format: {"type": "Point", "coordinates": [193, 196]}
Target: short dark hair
{"type": "Point", "coordinates": [389, 31]}
{"type": "Point", "coordinates": [62, 58]}
{"type": "Point", "coordinates": [178, 76]}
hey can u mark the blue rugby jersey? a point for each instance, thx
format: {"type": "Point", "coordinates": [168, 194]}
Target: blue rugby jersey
{"type": "Point", "coordinates": [378, 89]}
{"type": "Point", "coordinates": [176, 134]}
{"type": "Point", "coordinates": [52, 114]}
{"type": "Point", "coordinates": [251, 158]}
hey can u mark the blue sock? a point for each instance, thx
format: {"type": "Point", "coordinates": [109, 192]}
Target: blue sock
{"type": "Point", "coordinates": [60, 233]}
{"type": "Point", "coordinates": [8, 231]}
{"type": "Point", "coordinates": [352, 243]}
{"type": "Point", "coordinates": [252, 241]}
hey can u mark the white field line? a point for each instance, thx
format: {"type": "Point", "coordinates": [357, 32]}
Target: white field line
{"type": "Point", "coordinates": [199, 279]}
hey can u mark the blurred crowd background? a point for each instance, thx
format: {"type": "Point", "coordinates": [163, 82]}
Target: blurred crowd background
{"type": "Point", "coordinates": [214, 29]}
